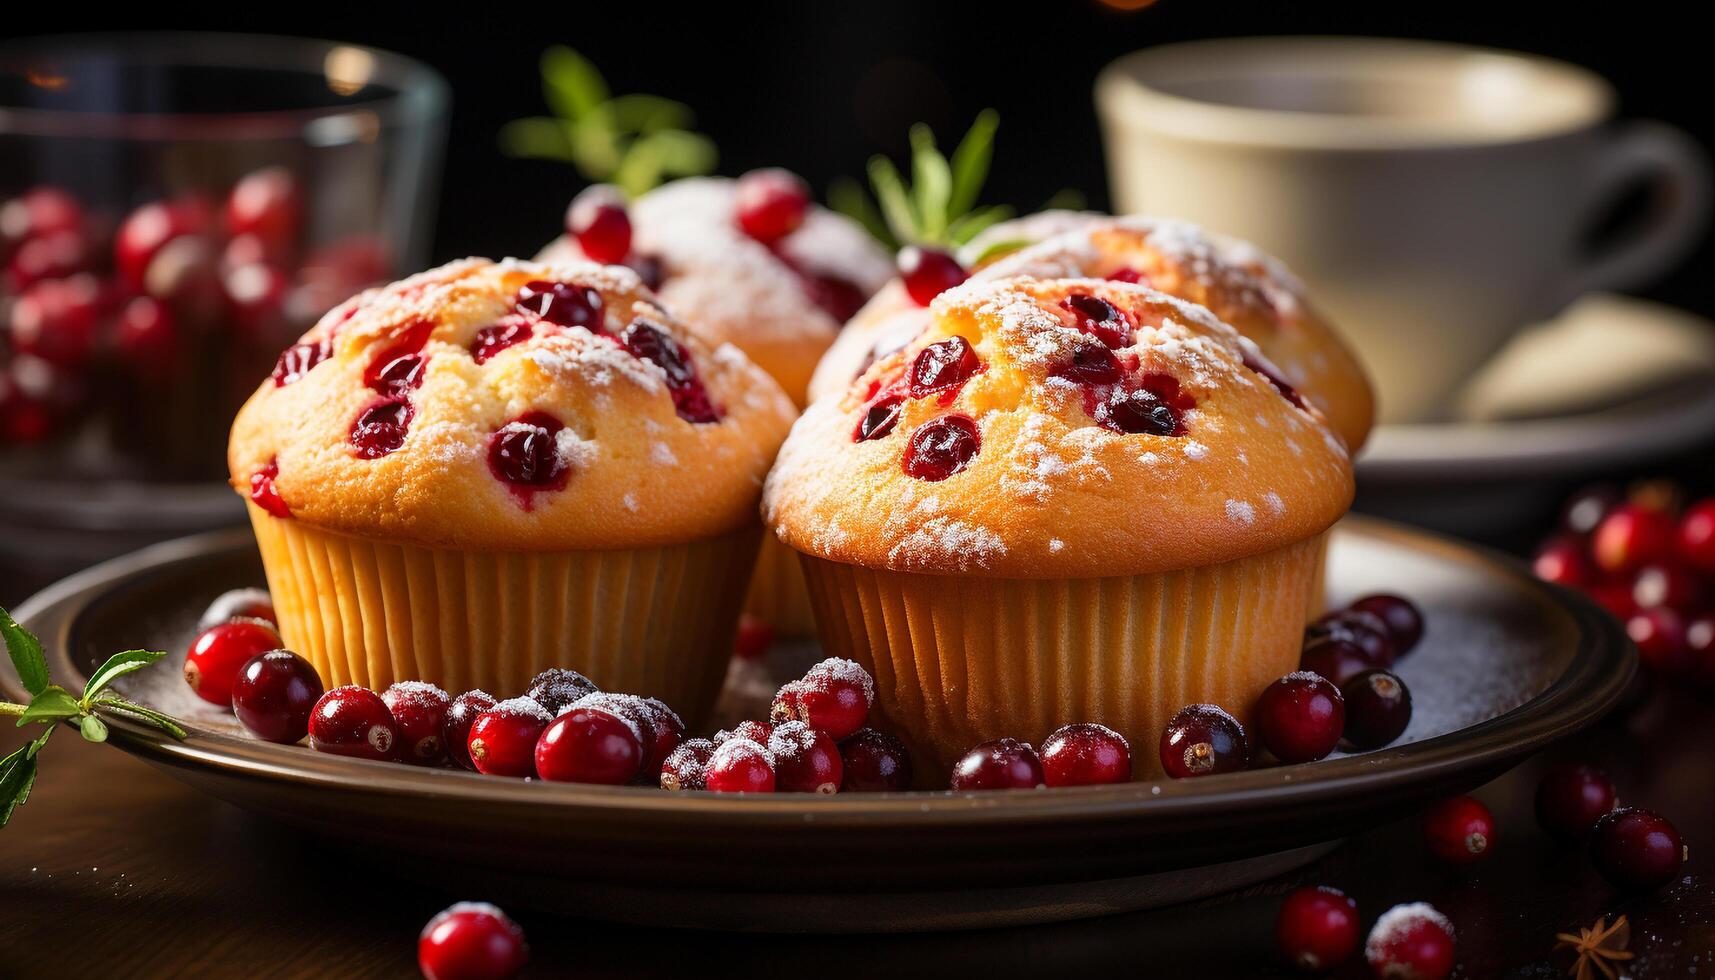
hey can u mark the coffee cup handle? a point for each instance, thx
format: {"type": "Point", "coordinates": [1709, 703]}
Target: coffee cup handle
{"type": "Point", "coordinates": [1677, 172]}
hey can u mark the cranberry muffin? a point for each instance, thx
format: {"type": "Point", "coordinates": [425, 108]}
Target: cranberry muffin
{"type": "Point", "coordinates": [1065, 500]}
{"type": "Point", "coordinates": [491, 469]}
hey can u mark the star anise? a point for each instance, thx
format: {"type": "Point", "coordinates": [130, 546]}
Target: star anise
{"type": "Point", "coordinates": [1598, 948]}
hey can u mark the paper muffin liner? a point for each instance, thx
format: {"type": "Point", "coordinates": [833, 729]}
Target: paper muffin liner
{"type": "Point", "coordinates": [656, 622]}
{"type": "Point", "coordinates": [1319, 581]}
{"type": "Point", "coordinates": [959, 660]}
{"type": "Point", "coordinates": [777, 594]}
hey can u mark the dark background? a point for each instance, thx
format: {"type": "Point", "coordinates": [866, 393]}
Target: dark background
{"type": "Point", "coordinates": [819, 86]}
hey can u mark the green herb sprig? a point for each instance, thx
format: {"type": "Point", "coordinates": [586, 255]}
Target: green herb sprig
{"type": "Point", "coordinates": [51, 704]}
{"type": "Point", "coordinates": [938, 205]}
{"type": "Point", "coordinates": [633, 141]}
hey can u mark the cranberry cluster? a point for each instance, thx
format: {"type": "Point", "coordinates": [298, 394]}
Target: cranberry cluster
{"type": "Point", "coordinates": [941, 446]}
{"type": "Point", "coordinates": [236, 661]}
{"type": "Point", "coordinates": [1317, 930]}
{"type": "Point", "coordinates": [1634, 848]}
{"type": "Point", "coordinates": [1650, 562]}
{"type": "Point", "coordinates": [180, 287]}
{"type": "Point", "coordinates": [1084, 754]}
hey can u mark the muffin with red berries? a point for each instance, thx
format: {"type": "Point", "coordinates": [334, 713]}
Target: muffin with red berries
{"type": "Point", "coordinates": [490, 469]}
{"type": "Point", "coordinates": [1065, 500]}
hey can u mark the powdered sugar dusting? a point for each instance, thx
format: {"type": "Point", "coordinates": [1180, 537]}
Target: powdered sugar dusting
{"type": "Point", "coordinates": [836, 670]}
{"type": "Point", "coordinates": [1396, 922]}
{"type": "Point", "coordinates": [1241, 511]}
{"type": "Point", "coordinates": [522, 708]}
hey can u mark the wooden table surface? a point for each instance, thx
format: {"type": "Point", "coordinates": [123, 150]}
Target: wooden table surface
{"type": "Point", "coordinates": [116, 869]}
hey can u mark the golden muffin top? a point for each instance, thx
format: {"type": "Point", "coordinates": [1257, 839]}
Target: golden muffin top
{"type": "Point", "coordinates": [1059, 429]}
{"type": "Point", "coordinates": [510, 406]}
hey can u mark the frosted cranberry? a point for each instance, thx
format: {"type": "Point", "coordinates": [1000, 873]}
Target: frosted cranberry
{"type": "Point", "coordinates": [1630, 537]}
{"type": "Point", "coordinates": [146, 338]}
{"type": "Point", "coordinates": [1140, 412]}
{"type": "Point", "coordinates": [1570, 799]}
{"type": "Point", "coordinates": [1660, 637]}
{"type": "Point", "coordinates": [1402, 620]}
{"type": "Point", "coordinates": [805, 760]}
{"type": "Point", "coordinates": [942, 365]}
{"type": "Point", "coordinates": [455, 725]}
{"type": "Point", "coordinates": [749, 730]}
{"type": "Point", "coordinates": [263, 492]}
{"type": "Point", "coordinates": [37, 212]}
{"type": "Point", "coordinates": [1203, 740]}
{"type": "Point", "coordinates": [1696, 536]}
{"type": "Point", "coordinates": [298, 360]}
{"type": "Point", "coordinates": [218, 654]}
{"type": "Point", "coordinates": [1584, 510]}
{"type": "Point", "coordinates": [753, 638]}
{"type": "Point", "coordinates": [1085, 755]}
{"type": "Point", "coordinates": [664, 734]}
{"type": "Point", "coordinates": [1459, 830]}
{"type": "Point", "coordinates": [1334, 658]}
{"type": "Point", "coordinates": [1100, 319]}
{"type": "Point", "coordinates": [834, 696]}
{"type": "Point", "coordinates": [1300, 717]}
{"type": "Point", "coordinates": [590, 745]}
{"type": "Point", "coordinates": [1564, 561]}
{"type": "Point", "coordinates": [524, 453]}
{"type": "Point", "coordinates": [739, 765]}
{"type": "Point", "coordinates": [381, 428]}
{"type": "Point", "coordinates": [1666, 585]}
{"type": "Point", "coordinates": [1378, 707]}
{"type": "Point", "coordinates": [1636, 849]}
{"type": "Point", "coordinates": [874, 762]}
{"type": "Point", "coordinates": [1410, 942]}
{"type": "Point", "coordinates": [879, 418]}
{"type": "Point", "coordinates": [1002, 763]}
{"type": "Point", "coordinates": [274, 694]}
{"type": "Point", "coordinates": [1317, 928]}
{"type": "Point", "coordinates": [353, 721]}
{"type": "Point", "coordinates": [1126, 273]}
{"type": "Point", "coordinates": [941, 447]}
{"type": "Point", "coordinates": [1090, 364]}
{"type": "Point", "coordinates": [565, 304]}
{"type": "Point", "coordinates": [471, 941]}
{"type": "Point", "coordinates": [927, 273]}
{"type": "Point", "coordinates": [52, 256]}
{"type": "Point", "coordinates": [267, 204]}
{"type": "Point", "coordinates": [149, 228]}
{"type": "Point", "coordinates": [770, 204]}
{"type": "Point", "coordinates": [1364, 630]}
{"type": "Point", "coordinates": [597, 221]}
{"type": "Point", "coordinates": [420, 711]}
{"type": "Point", "coordinates": [238, 604]}
{"type": "Point", "coordinates": [686, 766]}
{"type": "Point", "coordinates": [503, 739]}
{"type": "Point", "coordinates": [56, 320]}
{"type": "Point", "coordinates": [557, 687]}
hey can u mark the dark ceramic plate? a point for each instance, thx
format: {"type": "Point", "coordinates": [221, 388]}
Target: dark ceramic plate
{"type": "Point", "coordinates": [1508, 665]}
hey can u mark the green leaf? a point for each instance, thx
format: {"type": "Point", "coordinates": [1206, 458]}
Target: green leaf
{"type": "Point", "coordinates": [570, 83]}
{"type": "Point", "coordinates": [165, 723]}
{"type": "Point", "coordinates": [118, 666]}
{"type": "Point", "coordinates": [849, 199]}
{"type": "Point", "coordinates": [997, 249]}
{"type": "Point", "coordinates": [52, 704]}
{"type": "Point", "coordinates": [683, 153]}
{"type": "Point", "coordinates": [538, 137]}
{"type": "Point", "coordinates": [895, 202]}
{"type": "Point", "coordinates": [18, 775]}
{"type": "Point", "coordinates": [648, 113]}
{"type": "Point", "coordinates": [26, 653]}
{"type": "Point", "coordinates": [971, 160]}
{"type": "Point", "coordinates": [931, 184]}
{"type": "Point", "coordinates": [94, 729]}
{"type": "Point", "coordinates": [968, 227]}
{"type": "Point", "coordinates": [596, 146]}
{"type": "Point", "coordinates": [1064, 199]}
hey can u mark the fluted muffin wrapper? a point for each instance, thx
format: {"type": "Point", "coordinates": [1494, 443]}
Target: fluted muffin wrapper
{"type": "Point", "coordinates": [777, 593]}
{"type": "Point", "coordinates": [1319, 580]}
{"type": "Point", "coordinates": [656, 622]}
{"type": "Point", "coordinates": [961, 659]}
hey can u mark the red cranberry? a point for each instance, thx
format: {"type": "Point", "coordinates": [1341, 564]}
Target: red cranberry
{"type": "Point", "coordinates": [381, 428]}
{"type": "Point", "coordinates": [1696, 536]}
{"type": "Point", "coordinates": [770, 204]}
{"type": "Point", "coordinates": [805, 760]}
{"type": "Point", "coordinates": [1271, 374]}
{"type": "Point", "coordinates": [1400, 617]}
{"type": "Point", "coordinates": [37, 212]}
{"type": "Point", "coordinates": [256, 296]}
{"type": "Point", "coordinates": [1630, 537]}
{"type": "Point", "coordinates": [1411, 942]}
{"type": "Point", "coordinates": [1378, 707]}
{"type": "Point", "coordinates": [565, 304]}
{"type": "Point", "coordinates": [753, 639]}
{"type": "Point", "coordinates": [274, 694]}
{"type": "Point", "coordinates": [874, 762]}
{"type": "Point", "coordinates": [879, 418]}
{"type": "Point", "coordinates": [1090, 364]}
{"type": "Point", "coordinates": [503, 739]}
{"type": "Point", "coordinates": [298, 359]}
{"type": "Point", "coordinates": [686, 766]}
{"type": "Point", "coordinates": [1203, 740]}
{"type": "Point", "coordinates": [263, 492]}
{"type": "Point", "coordinates": [398, 370]}
{"type": "Point", "coordinates": [1100, 319]}
{"type": "Point", "coordinates": [492, 340]}
{"type": "Point", "coordinates": [834, 697]}
{"type": "Point", "coordinates": [1584, 510]}
{"type": "Point", "coordinates": [56, 320]}
{"type": "Point", "coordinates": [649, 269]}
{"type": "Point", "coordinates": [24, 417]}
{"type": "Point", "coordinates": [1300, 717]}
{"type": "Point", "coordinates": [597, 220]}
{"type": "Point", "coordinates": [1660, 637]}
{"type": "Point", "coordinates": [927, 273]}
{"type": "Point", "coordinates": [1615, 597]}
{"type": "Point", "coordinates": [1570, 799]}
{"type": "Point", "coordinates": [750, 731]}
{"type": "Point", "coordinates": [590, 745]}
{"type": "Point", "coordinates": [1085, 755]}
{"type": "Point", "coordinates": [941, 447]}
{"type": "Point", "coordinates": [1126, 273]}
{"type": "Point", "coordinates": [1365, 630]}
{"type": "Point", "coordinates": [524, 453]}
{"type": "Point", "coordinates": [265, 203]}
{"type": "Point", "coordinates": [420, 710]}
{"type": "Point", "coordinates": [146, 231]}
{"type": "Point", "coordinates": [558, 687]}
{"type": "Point", "coordinates": [1666, 585]}
{"type": "Point", "coordinates": [650, 343]}
{"type": "Point", "coordinates": [1317, 928]}
{"type": "Point", "coordinates": [221, 651]}
{"type": "Point", "coordinates": [838, 298]}
{"type": "Point", "coordinates": [1002, 763]}
{"type": "Point", "coordinates": [1139, 412]}
{"type": "Point", "coordinates": [739, 765]}
{"type": "Point", "coordinates": [1700, 648]}
{"type": "Point", "coordinates": [1334, 658]}
{"type": "Point", "coordinates": [1636, 849]}
{"type": "Point", "coordinates": [1459, 830]}
{"type": "Point", "coordinates": [471, 941]}
{"type": "Point", "coordinates": [146, 337]}
{"type": "Point", "coordinates": [942, 365]}
{"type": "Point", "coordinates": [665, 732]}
{"type": "Point", "coordinates": [1564, 561]}
{"type": "Point", "coordinates": [353, 721]}
{"type": "Point", "coordinates": [455, 726]}
{"type": "Point", "coordinates": [52, 256]}
{"type": "Point", "coordinates": [239, 604]}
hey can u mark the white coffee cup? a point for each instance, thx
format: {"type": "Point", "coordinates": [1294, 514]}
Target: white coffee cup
{"type": "Point", "coordinates": [1435, 198]}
